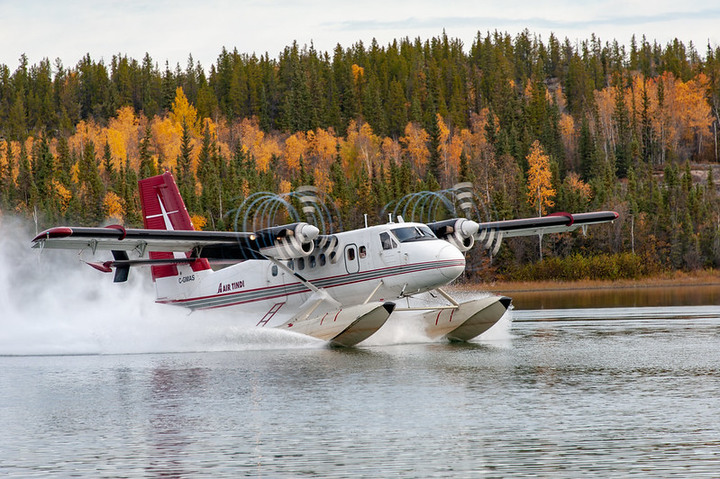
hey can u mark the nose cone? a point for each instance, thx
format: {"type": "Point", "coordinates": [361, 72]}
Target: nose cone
{"type": "Point", "coordinates": [469, 228]}
{"type": "Point", "coordinates": [451, 262]}
{"type": "Point", "coordinates": [307, 232]}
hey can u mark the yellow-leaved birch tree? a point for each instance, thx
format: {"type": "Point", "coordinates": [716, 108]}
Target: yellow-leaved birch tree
{"type": "Point", "coordinates": [540, 191]}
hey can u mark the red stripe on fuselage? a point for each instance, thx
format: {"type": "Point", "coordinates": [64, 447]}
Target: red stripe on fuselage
{"type": "Point", "coordinates": [277, 294]}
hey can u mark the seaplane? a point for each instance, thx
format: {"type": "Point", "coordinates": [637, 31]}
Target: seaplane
{"type": "Point", "coordinates": [340, 288]}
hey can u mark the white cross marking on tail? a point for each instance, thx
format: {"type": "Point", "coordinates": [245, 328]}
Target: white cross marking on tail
{"type": "Point", "coordinates": [165, 215]}
{"type": "Point", "coordinates": [168, 225]}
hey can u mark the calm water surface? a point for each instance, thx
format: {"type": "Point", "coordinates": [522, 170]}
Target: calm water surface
{"type": "Point", "coordinates": [609, 392]}
{"type": "Point", "coordinates": [680, 295]}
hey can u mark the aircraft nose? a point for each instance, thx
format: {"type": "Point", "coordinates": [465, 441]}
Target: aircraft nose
{"type": "Point", "coordinates": [451, 262]}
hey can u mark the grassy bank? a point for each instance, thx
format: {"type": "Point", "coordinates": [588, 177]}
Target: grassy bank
{"type": "Point", "coordinates": [709, 277]}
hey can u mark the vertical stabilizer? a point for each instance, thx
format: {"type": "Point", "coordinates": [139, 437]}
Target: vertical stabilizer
{"type": "Point", "coordinates": [164, 209]}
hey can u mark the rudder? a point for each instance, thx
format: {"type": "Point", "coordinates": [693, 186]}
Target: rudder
{"type": "Point", "coordinates": [164, 209]}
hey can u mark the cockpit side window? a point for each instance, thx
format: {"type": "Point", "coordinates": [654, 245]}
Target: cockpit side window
{"type": "Point", "coordinates": [386, 241]}
{"type": "Point", "coordinates": [407, 234]}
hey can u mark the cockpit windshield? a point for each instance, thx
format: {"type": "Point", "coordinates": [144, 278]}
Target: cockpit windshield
{"type": "Point", "coordinates": [407, 234]}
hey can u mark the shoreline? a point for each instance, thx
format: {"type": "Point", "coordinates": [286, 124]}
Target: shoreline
{"type": "Point", "coordinates": [675, 280]}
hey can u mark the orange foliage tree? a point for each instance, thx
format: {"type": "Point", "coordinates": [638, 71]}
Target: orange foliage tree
{"type": "Point", "coordinates": [415, 142]}
{"type": "Point", "coordinates": [183, 112]}
{"type": "Point", "coordinates": [296, 146]}
{"type": "Point", "coordinates": [123, 136]}
{"type": "Point", "coordinates": [361, 148]}
{"type": "Point", "coordinates": [540, 192]}
{"type": "Point", "coordinates": [254, 142]}
{"type": "Point", "coordinates": [450, 148]}
{"type": "Point", "coordinates": [113, 207]}
{"type": "Point", "coordinates": [322, 147]}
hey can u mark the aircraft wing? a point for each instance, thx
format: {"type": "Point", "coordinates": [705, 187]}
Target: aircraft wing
{"type": "Point", "coordinates": [553, 223]}
{"type": "Point", "coordinates": [282, 242]}
{"type": "Point", "coordinates": [491, 233]}
{"type": "Point", "coordinates": [118, 238]}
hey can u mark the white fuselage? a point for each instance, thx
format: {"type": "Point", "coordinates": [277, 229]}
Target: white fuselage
{"type": "Point", "coordinates": [378, 263]}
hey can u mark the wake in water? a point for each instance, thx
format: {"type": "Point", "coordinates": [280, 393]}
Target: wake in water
{"type": "Point", "coordinates": [52, 303]}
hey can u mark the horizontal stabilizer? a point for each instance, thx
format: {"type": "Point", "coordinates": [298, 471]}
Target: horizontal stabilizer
{"type": "Point", "coordinates": [122, 266]}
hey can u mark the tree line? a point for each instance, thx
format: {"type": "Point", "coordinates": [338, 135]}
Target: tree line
{"type": "Point", "coordinates": [591, 125]}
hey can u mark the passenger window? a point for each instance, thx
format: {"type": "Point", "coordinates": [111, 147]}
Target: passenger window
{"type": "Point", "coordinates": [362, 252]}
{"type": "Point", "coordinates": [321, 259]}
{"type": "Point", "coordinates": [333, 257]}
{"type": "Point", "coordinates": [351, 254]}
{"type": "Point", "coordinates": [311, 261]}
{"type": "Point", "coordinates": [291, 265]}
{"type": "Point", "coordinates": [301, 263]}
{"type": "Point", "coordinates": [274, 270]}
{"type": "Point", "coordinates": [386, 242]}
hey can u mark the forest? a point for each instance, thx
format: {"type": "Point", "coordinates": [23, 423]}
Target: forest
{"type": "Point", "coordinates": [537, 126]}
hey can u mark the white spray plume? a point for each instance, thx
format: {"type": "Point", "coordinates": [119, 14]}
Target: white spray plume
{"type": "Point", "coordinates": [52, 303]}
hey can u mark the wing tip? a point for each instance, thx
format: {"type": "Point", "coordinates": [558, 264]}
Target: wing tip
{"type": "Point", "coordinates": [57, 232]}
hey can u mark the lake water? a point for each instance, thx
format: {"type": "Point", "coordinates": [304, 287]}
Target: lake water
{"type": "Point", "coordinates": [591, 392]}
{"type": "Point", "coordinates": [679, 295]}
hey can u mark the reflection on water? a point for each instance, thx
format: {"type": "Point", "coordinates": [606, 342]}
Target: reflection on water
{"type": "Point", "coordinates": [570, 393]}
{"type": "Point", "coordinates": [681, 295]}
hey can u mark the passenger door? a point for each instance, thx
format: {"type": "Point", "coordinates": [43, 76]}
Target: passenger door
{"type": "Point", "coordinates": [352, 263]}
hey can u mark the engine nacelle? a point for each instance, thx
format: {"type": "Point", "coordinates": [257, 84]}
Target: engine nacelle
{"type": "Point", "coordinates": [288, 241]}
{"type": "Point", "coordinates": [459, 232]}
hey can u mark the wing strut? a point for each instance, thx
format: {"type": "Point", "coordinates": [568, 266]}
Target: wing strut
{"type": "Point", "coordinates": [373, 292]}
{"type": "Point", "coordinates": [453, 304]}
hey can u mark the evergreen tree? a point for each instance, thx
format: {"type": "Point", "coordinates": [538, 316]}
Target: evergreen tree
{"type": "Point", "coordinates": [396, 110]}
{"type": "Point", "coordinates": [7, 183]}
{"type": "Point", "coordinates": [184, 173]}
{"type": "Point", "coordinates": [433, 166]}
{"type": "Point", "coordinates": [465, 174]}
{"type": "Point", "coordinates": [209, 178]}
{"type": "Point", "coordinates": [624, 133]}
{"type": "Point", "coordinates": [587, 152]}
{"type": "Point", "coordinates": [42, 166]}
{"type": "Point", "coordinates": [65, 163]}
{"type": "Point", "coordinates": [91, 189]}
{"type": "Point", "coordinates": [130, 197]}
{"type": "Point", "coordinates": [17, 119]}
{"type": "Point", "coordinates": [648, 133]}
{"type": "Point", "coordinates": [27, 190]}
{"type": "Point", "coordinates": [109, 174]}
{"type": "Point", "coordinates": [147, 164]}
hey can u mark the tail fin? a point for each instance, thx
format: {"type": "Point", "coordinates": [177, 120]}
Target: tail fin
{"type": "Point", "coordinates": [164, 209]}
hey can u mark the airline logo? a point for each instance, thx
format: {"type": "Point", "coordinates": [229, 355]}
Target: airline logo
{"type": "Point", "coordinates": [226, 287]}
